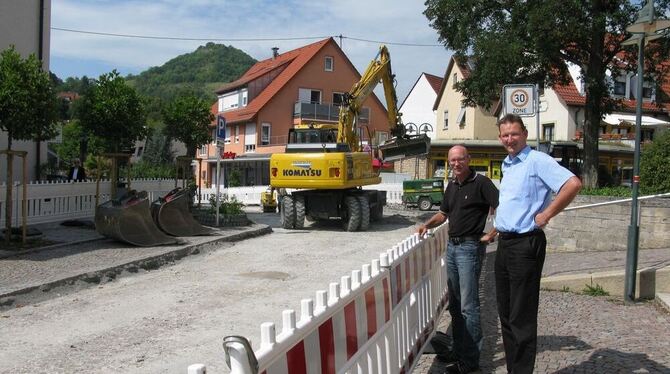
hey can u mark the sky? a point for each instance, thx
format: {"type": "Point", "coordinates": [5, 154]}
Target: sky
{"type": "Point", "coordinates": [75, 54]}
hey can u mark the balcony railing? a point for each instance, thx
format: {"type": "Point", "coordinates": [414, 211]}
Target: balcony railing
{"type": "Point", "coordinates": [324, 112]}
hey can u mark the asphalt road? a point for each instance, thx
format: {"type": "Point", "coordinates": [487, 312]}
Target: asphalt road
{"type": "Point", "coordinates": [166, 319]}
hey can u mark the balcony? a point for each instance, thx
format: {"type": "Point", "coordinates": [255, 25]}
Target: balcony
{"type": "Point", "coordinates": [324, 112]}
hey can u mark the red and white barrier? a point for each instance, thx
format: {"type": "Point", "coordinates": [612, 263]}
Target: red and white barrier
{"type": "Point", "coordinates": [376, 320]}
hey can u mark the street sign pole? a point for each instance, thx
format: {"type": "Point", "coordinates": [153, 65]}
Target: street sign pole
{"type": "Point", "coordinates": [537, 115]}
{"type": "Point", "coordinates": [220, 146]}
{"type": "Point", "coordinates": [218, 172]}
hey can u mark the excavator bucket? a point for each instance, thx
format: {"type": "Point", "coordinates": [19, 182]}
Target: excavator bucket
{"type": "Point", "coordinates": [172, 215]}
{"type": "Point", "coordinates": [399, 148]}
{"type": "Point", "coordinates": [128, 219]}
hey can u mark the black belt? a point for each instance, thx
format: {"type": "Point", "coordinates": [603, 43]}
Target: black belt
{"type": "Point", "coordinates": [514, 235]}
{"type": "Point", "coordinates": [462, 239]}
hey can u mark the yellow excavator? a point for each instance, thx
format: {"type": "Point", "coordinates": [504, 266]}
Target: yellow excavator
{"type": "Point", "coordinates": [327, 164]}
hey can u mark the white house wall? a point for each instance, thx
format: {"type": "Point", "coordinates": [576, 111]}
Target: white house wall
{"type": "Point", "coordinates": [558, 113]}
{"type": "Point", "coordinates": [20, 26]}
{"type": "Point", "coordinates": [418, 106]}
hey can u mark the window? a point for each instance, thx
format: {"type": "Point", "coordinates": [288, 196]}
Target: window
{"type": "Point", "coordinates": [237, 134]}
{"type": "Point", "coordinates": [446, 120]}
{"type": "Point", "coordinates": [461, 118]}
{"type": "Point", "coordinates": [203, 150]}
{"type": "Point", "coordinates": [619, 88]}
{"type": "Point", "coordinates": [329, 63]}
{"type": "Point", "coordinates": [229, 130]}
{"type": "Point", "coordinates": [139, 152]}
{"type": "Point", "coordinates": [265, 133]}
{"type": "Point", "coordinates": [214, 136]}
{"type": "Point", "coordinates": [250, 138]}
{"type": "Point", "coordinates": [307, 95]}
{"type": "Point", "coordinates": [548, 132]}
{"type": "Point", "coordinates": [455, 78]}
{"type": "Point", "coordinates": [338, 98]}
{"type": "Point", "coordinates": [646, 92]}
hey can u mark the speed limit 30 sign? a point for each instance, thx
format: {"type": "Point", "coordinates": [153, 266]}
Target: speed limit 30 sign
{"type": "Point", "coordinates": [519, 99]}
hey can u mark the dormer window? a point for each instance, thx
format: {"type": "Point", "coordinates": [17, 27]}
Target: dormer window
{"type": "Point", "coordinates": [329, 63]}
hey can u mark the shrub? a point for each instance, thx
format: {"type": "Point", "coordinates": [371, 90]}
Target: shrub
{"type": "Point", "coordinates": [655, 165]}
{"type": "Point", "coordinates": [227, 204]}
{"type": "Point", "coordinates": [596, 290]}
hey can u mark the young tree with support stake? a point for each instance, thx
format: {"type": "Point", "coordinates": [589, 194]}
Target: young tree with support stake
{"type": "Point", "coordinates": [28, 108]}
{"type": "Point", "coordinates": [187, 119]}
{"type": "Point", "coordinates": [113, 112]}
{"type": "Point", "coordinates": [531, 41]}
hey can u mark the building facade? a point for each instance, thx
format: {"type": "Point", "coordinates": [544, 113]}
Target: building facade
{"type": "Point", "coordinates": [25, 25]}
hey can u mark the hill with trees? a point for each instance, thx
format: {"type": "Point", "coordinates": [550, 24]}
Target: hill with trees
{"type": "Point", "coordinates": [197, 73]}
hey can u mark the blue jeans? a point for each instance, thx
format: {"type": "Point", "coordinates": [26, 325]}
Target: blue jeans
{"type": "Point", "coordinates": [464, 264]}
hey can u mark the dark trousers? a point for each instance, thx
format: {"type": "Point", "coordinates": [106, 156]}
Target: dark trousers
{"type": "Point", "coordinates": [518, 268]}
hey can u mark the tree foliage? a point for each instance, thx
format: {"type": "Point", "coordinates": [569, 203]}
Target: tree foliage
{"type": "Point", "coordinates": [114, 112]}
{"type": "Point", "coordinates": [531, 41]}
{"type": "Point", "coordinates": [655, 165]}
{"type": "Point", "coordinates": [28, 104]}
{"type": "Point", "coordinates": [158, 149]}
{"type": "Point", "coordinates": [187, 119]}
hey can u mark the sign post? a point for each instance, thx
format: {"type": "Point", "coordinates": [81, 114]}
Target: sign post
{"type": "Point", "coordinates": [523, 100]}
{"type": "Point", "coordinates": [220, 141]}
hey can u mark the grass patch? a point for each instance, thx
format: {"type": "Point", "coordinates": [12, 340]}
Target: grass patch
{"type": "Point", "coordinates": [619, 191]}
{"type": "Point", "coordinates": [596, 290]}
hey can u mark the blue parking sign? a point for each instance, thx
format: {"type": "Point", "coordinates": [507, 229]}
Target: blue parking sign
{"type": "Point", "coordinates": [220, 129]}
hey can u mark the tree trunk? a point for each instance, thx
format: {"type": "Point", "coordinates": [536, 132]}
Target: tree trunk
{"type": "Point", "coordinates": [596, 89]}
{"type": "Point", "coordinates": [38, 156]}
{"type": "Point", "coordinates": [8, 196]}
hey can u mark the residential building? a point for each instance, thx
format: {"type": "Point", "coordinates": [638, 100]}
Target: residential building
{"type": "Point", "coordinates": [300, 86]}
{"type": "Point", "coordinates": [26, 25]}
{"type": "Point", "coordinates": [417, 107]}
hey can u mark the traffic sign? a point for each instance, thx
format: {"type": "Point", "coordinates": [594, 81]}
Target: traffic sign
{"type": "Point", "coordinates": [519, 99]}
{"type": "Point", "coordinates": [220, 129]}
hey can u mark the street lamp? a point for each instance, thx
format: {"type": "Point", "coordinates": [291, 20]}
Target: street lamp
{"type": "Point", "coordinates": [645, 29]}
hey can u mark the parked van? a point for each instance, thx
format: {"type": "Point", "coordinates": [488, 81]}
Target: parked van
{"type": "Point", "coordinates": [423, 193]}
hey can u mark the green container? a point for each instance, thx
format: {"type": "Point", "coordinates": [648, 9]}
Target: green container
{"type": "Point", "coordinates": [423, 193]}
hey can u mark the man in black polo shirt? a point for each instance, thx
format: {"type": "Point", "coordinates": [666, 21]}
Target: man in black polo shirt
{"type": "Point", "coordinates": [468, 200]}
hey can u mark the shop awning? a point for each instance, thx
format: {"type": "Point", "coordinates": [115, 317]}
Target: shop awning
{"type": "Point", "coordinates": [629, 119]}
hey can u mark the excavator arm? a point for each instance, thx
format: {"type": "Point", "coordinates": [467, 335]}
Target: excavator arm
{"type": "Point", "coordinates": [400, 145]}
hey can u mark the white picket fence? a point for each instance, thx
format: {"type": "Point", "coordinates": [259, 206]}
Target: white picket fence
{"type": "Point", "coordinates": [251, 195]}
{"type": "Point", "coordinates": [58, 201]}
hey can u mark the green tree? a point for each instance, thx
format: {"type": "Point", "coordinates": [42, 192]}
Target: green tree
{"type": "Point", "coordinates": [187, 119]}
{"type": "Point", "coordinates": [112, 111]}
{"type": "Point", "coordinates": [655, 165]}
{"type": "Point", "coordinates": [158, 149]}
{"type": "Point", "coordinates": [28, 107]}
{"type": "Point", "coordinates": [531, 41]}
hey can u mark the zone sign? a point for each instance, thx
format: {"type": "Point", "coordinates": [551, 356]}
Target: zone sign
{"type": "Point", "coordinates": [519, 99]}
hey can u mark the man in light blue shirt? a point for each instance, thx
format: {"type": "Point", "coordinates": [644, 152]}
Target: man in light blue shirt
{"type": "Point", "coordinates": [526, 206]}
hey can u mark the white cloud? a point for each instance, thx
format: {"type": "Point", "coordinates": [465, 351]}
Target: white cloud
{"type": "Point", "coordinates": [384, 20]}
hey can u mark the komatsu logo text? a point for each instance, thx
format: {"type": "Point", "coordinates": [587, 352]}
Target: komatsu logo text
{"type": "Point", "coordinates": [301, 173]}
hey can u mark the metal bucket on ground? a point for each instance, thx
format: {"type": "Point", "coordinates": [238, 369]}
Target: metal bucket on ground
{"type": "Point", "coordinates": [128, 219]}
{"type": "Point", "coordinates": [172, 215]}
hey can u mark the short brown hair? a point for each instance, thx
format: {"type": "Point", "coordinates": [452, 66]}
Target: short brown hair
{"type": "Point", "coordinates": [511, 118]}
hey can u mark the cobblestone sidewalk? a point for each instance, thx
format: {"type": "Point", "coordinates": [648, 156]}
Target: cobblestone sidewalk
{"type": "Point", "coordinates": [576, 334]}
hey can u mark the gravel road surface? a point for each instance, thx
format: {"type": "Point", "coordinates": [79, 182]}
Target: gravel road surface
{"type": "Point", "coordinates": [161, 321]}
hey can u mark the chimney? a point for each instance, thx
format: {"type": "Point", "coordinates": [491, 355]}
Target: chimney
{"type": "Point", "coordinates": [275, 52]}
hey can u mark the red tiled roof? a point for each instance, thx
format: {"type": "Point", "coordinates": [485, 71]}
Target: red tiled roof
{"type": "Point", "coordinates": [571, 96]}
{"type": "Point", "coordinates": [434, 81]}
{"type": "Point", "coordinates": [291, 62]}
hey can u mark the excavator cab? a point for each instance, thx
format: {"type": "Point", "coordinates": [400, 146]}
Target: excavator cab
{"type": "Point", "coordinates": [172, 215]}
